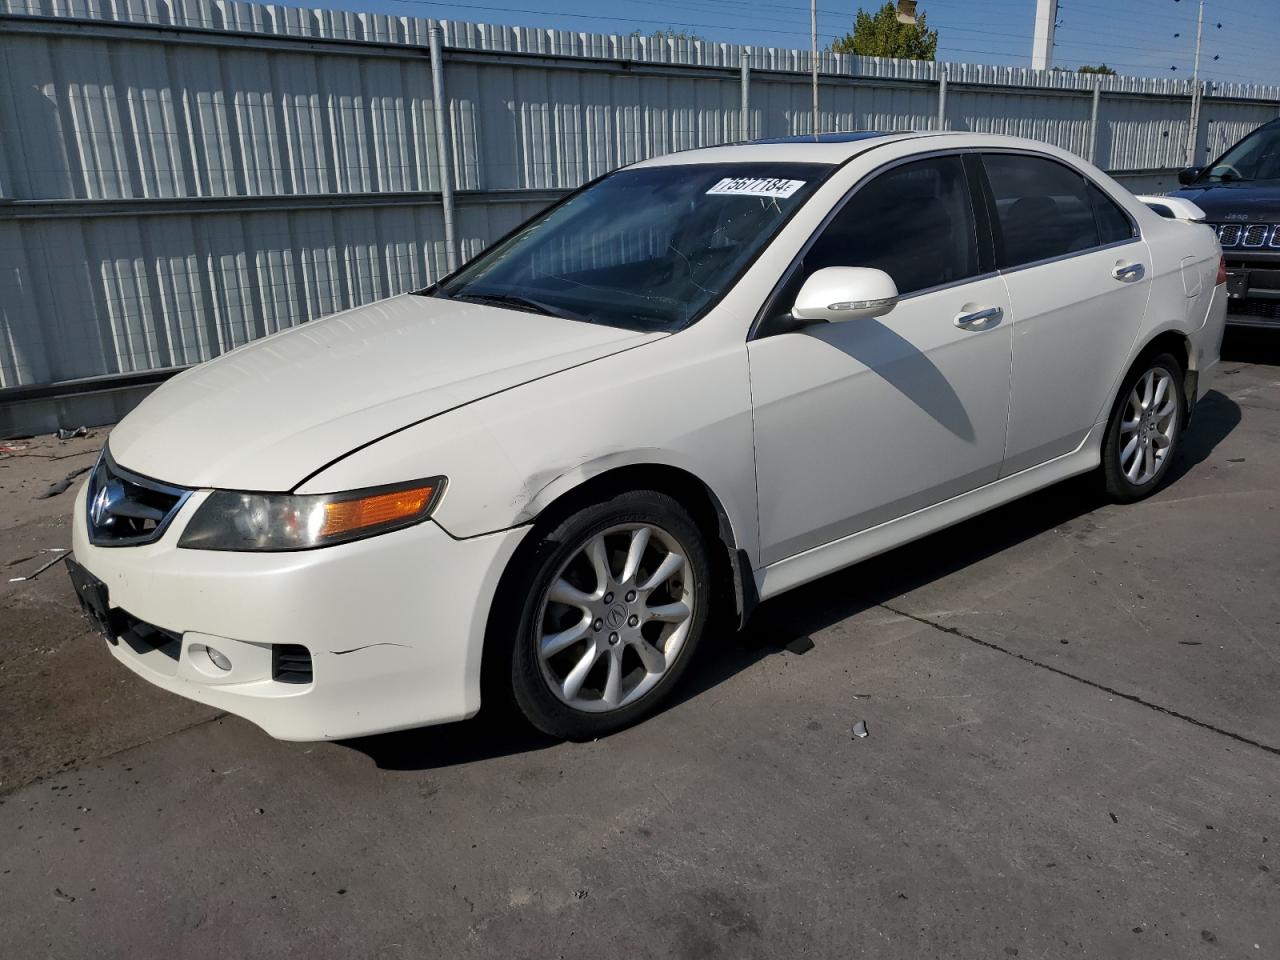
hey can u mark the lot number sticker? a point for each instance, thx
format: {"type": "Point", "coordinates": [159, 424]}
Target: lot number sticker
{"type": "Point", "coordinates": [755, 187]}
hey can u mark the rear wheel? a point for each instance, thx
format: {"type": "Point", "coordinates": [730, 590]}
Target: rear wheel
{"type": "Point", "coordinates": [612, 604]}
{"type": "Point", "coordinates": [1145, 429]}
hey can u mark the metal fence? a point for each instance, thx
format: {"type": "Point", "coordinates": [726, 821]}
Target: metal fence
{"type": "Point", "coordinates": [177, 178]}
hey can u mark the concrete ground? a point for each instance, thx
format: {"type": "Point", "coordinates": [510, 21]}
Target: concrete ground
{"type": "Point", "coordinates": [1074, 750]}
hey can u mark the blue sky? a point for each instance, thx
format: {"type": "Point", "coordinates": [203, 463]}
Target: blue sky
{"type": "Point", "coordinates": [1134, 36]}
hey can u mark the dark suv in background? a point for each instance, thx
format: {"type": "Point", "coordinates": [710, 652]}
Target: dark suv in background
{"type": "Point", "coordinates": [1240, 195]}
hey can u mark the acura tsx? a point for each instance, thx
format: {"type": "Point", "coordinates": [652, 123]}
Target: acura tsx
{"type": "Point", "coordinates": [692, 384]}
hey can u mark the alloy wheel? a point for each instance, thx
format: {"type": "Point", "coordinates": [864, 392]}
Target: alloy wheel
{"type": "Point", "coordinates": [1148, 426]}
{"type": "Point", "coordinates": [616, 617]}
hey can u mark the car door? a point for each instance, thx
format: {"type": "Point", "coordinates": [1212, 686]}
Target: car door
{"type": "Point", "coordinates": [1078, 277]}
{"type": "Point", "coordinates": [863, 421]}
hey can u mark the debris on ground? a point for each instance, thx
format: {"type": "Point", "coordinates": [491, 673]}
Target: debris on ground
{"type": "Point", "coordinates": [799, 645]}
{"type": "Point", "coordinates": [60, 486]}
{"type": "Point", "coordinates": [860, 730]}
{"type": "Point", "coordinates": [61, 552]}
{"type": "Point", "coordinates": [65, 434]}
{"type": "Point", "coordinates": [8, 449]}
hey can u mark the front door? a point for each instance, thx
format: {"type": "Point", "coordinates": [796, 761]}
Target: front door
{"type": "Point", "coordinates": [861, 422]}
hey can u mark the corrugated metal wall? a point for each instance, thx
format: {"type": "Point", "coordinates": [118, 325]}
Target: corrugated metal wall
{"type": "Point", "coordinates": [177, 178]}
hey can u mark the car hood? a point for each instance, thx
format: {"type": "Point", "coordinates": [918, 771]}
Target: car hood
{"type": "Point", "coordinates": [1236, 202]}
{"type": "Point", "coordinates": [271, 413]}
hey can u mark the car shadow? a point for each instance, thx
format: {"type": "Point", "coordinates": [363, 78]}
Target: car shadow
{"type": "Point", "coordinates": [885, 353]}
{"type": "Point", "coordinates": [1251, 345]}
{"type": "Point", "coordinates": [1216, 415]}
{"type": "Point", "coordinates": [783, 626]}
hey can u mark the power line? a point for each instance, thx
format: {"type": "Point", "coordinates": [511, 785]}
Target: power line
{"type": "Point", "coordinates": [995, 37]}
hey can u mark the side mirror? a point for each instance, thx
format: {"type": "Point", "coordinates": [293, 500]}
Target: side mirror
{"type": "Point", "coordinates": [835, 294]}
{"type": "Point", "coordinates": [1188, 175]}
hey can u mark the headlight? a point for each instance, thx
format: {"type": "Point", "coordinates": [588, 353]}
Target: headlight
{"type": "Point", "coordinates": [228, 520]}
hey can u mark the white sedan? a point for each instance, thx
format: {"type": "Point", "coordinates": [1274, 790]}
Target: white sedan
{"type": "Point", "coordinates": [691, 385]}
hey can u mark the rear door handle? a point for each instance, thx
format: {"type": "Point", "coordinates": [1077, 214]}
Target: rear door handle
{"type": "Point", "coordinates": [967, 321]}
{"type": "Point", "coordinates": [1128, 273]}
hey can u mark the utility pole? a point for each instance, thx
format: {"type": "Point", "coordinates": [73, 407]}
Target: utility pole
{"type": "Point", "coordinates": [813, 58]}
{"type": "Point", "coordinates": [1193, 134]}
{"type": "Point", "coordinates": [1042, 39]}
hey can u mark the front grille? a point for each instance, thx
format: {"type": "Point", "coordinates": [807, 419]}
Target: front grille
{"type": "Point", "coordinates": [127, 509]}
{"type": "Point", "coordinates": [1251, 235]}
{"type": "Point", "coordinates": [290, 663]}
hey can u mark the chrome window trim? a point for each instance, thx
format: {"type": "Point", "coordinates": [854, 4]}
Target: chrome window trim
{"type": "Point", "coordinates": [137, 480]}
{"type": "Point", "coordinates": [947, 286]}
{"type": "Point", "coordinates": [1070, 256]}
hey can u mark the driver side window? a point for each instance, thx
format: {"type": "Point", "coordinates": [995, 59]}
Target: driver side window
{"type": "Point", "coordinates": [915, 222]}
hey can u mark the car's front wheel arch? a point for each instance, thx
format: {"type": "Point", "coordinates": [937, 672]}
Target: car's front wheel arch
{"type": "Point", "coordinates": [732, 589]}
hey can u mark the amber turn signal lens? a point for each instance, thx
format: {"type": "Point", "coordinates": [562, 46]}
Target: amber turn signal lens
{"type": "Point", "coordinates": [347, 516]}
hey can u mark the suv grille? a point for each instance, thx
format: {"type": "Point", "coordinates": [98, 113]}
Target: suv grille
{"type": "Point", "coordinates": [1250, 235]}
{"type": "Point", "coordinates": [126, 509]}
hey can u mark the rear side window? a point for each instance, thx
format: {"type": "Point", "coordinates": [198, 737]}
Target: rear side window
{"type": "Point", "coordinates": [1114, 224]}
{"type": "Point", "coordinates": [1043, 207]}
{"type": "Point", "coordinates": [915, 222]}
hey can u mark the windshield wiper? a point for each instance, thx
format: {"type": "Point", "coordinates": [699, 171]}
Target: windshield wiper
{"type": "Point", "coordinates": [527, 304]}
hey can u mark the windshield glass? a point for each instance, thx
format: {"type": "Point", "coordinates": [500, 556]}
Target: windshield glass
{"type": "Point", "coordinates": [648, 249]}
{"type": "Point", "coordinates": [1256, 157]}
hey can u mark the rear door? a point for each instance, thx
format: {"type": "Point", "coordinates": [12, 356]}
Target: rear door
{"type": "Point", "coordinates": [1078, 275]}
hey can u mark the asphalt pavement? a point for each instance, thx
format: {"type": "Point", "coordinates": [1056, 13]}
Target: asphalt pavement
{"type": "Point", "coordinates": [1073, 750]}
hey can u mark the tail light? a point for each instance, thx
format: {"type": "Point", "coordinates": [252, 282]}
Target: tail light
{"type": "Point", "coordinates": [1222, 270]}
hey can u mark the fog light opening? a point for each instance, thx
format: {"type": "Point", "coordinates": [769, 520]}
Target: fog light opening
{"type": "Point", "coordinates": [219, 659]}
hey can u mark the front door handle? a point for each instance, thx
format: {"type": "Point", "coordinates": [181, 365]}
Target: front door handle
{"type": "Point", "coordinates": [1128, 272]}
{"type": "Point", "coordinates": [967, 321]}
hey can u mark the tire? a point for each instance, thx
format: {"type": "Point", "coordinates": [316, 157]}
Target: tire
{"type": "Point", "coordinates": [1145, 429]}
{"type": "Point", "coordinates": [586, 655]}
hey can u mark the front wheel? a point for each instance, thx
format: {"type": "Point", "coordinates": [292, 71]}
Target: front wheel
{"type": "Point", "coordinates": [1145, 429]}
{"type": "Point", "coordinates": [612, 605]}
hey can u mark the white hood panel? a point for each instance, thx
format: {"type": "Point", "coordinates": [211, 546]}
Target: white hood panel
{"type": "Point", "coordinates": [267, 415]}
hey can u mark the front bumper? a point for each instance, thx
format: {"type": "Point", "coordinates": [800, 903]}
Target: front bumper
{"type": "Point", "coordinates": [1253, 290]}
{"type": "Point", "coordinates": [394, 624]}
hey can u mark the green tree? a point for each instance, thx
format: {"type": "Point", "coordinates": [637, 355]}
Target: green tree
{"type": "Point", "coordinates": [671, 33]}
{"type": "Point", "coordinates": [1100, 68]}
{"type": "Point", "coordinates": [880, 34]}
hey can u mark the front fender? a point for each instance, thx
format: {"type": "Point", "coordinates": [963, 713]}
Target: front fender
{"type": "Point", "coordinates": [672, 403]}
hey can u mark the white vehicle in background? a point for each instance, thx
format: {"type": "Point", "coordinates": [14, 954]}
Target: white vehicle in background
{"type": "Point", "coordinates": [693, 384]}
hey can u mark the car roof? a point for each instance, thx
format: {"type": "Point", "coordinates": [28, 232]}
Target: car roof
{"type": "Point", "coordinates": [828, 148]}
{"type": "Point", "coordinates": [840, 147]}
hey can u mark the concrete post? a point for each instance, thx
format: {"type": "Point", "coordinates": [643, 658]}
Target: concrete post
{"type": "Point", "coordinates": [444, 144]}
{"type": "Point", "coordinates": [942, 96]}
{"type": "Point", "coordinates": [1092, 155]}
